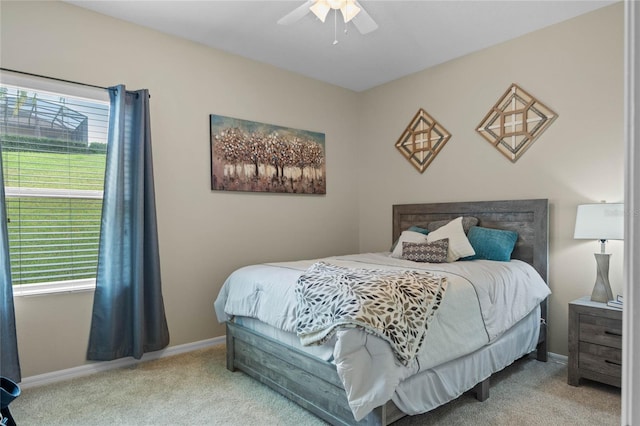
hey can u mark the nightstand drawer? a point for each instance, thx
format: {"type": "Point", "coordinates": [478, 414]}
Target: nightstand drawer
{"type": "Point", "coordinates": [601, 331]}
{"type": "Point", "coordinates": [602, 359]}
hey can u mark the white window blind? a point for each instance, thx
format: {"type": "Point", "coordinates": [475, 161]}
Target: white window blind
{"type": "Point", "coordinates": [53, 155]}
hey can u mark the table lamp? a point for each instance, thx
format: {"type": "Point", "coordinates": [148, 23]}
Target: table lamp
{"type": "Point", "coordinates": [602, 221]}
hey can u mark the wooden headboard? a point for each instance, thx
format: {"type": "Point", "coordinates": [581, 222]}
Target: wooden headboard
{"type": "Point", "coordinates": [529, 218]}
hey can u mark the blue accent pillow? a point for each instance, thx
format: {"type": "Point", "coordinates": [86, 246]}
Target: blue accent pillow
{"type": "Point", "coordinates": [491, 244]}
{"type": "Point", "coordinates": [418, 229]}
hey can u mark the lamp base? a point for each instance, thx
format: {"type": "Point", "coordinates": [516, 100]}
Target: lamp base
{"type": "Point", "coordinates": [602, 289]}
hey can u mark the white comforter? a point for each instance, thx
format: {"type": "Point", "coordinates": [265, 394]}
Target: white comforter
{"type": "Point", "coordinates": [483, 300]}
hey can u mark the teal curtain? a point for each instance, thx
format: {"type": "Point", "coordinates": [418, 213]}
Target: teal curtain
{"type": "Point", "coordinates": [9, 361]}
{"type": "Point", "coordinates": [128, 310]}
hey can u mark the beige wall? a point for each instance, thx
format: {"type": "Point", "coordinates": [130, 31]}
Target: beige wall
{"type": "Point", "coordinates": [575, 68]}
{"type": "Point", "coordinates": [204, 235]}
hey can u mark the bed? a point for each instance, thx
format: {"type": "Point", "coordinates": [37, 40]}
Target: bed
{"type": "Point", "coordinates": [310, 375]}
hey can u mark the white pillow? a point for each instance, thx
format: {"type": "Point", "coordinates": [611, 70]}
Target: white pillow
{"type": "Point", "coordinates": [459, 245]}
{"type": "Point", "coordinates": [409, 237]}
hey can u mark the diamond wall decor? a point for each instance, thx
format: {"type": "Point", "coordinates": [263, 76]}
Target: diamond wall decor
{"type": "Point", "coordinates": [515, 122]}
{"type": "Point", "coordinates": [422, 140]}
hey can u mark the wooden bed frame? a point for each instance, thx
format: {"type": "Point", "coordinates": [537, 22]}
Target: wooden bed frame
{"type": "Point", "coordinates": [314, 384]}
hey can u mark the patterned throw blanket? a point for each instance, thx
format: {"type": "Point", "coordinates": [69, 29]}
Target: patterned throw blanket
{"type": "Point", "coordinates": [396, 306]}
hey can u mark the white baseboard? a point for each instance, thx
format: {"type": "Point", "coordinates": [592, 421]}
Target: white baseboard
{"type": "Point", "coordinates": [562, 359]}
{"type": "Point", "coordinates": [96, 367]}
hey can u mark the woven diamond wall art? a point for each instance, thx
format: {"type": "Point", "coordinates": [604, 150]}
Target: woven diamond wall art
{"type": "Point", "coordinates": [422, 140]}
{"type": "Point", "coordinates": [515, 122]}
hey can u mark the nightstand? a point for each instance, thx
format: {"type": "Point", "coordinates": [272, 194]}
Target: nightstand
{"type": "Point", "coordinates": [595, 342]}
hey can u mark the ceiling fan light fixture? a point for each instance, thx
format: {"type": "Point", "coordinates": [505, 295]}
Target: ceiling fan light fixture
{"type": "Point", "coordinates": [348, 8]}
{"type": "Point", "coordinates": [321, 8]}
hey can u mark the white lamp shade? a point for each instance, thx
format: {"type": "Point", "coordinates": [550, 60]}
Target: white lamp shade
{"type": "Point", "coordinates": [321, 8]}
{"type": "Point", "coordinates": [602, 221]}
{"type": "Point", "coordinates": [349, 10]}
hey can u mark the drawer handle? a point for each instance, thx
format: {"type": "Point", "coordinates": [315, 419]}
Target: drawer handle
{"type": "Point", "coordinates": [613, 362]}
{"type": "Point", "coordinates": [613, 333]}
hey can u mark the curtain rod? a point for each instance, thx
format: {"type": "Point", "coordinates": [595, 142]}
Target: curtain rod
{"type": "Point", "coordinates": [57, 79]}
{"type": "Point", "coordinates": [54, 78]}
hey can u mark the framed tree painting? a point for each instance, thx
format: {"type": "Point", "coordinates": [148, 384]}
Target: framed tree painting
{"type": "Point", "coordinates": [258, 157]}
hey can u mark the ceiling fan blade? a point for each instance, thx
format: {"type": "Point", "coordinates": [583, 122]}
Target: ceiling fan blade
{"type": "Point", "coordinates": [363, 21]}
{"type": "Point", "coordinates": [297, 13]}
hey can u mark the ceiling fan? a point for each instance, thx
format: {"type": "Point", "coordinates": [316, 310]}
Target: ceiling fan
{"type": "Point", "coordinates": [351, 10]}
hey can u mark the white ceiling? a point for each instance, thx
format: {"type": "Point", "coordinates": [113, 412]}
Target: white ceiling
{"type": "Point", "coordinates": [412, 35]}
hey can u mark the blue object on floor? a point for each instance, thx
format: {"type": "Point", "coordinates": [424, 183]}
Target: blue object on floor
{"type": "Point", "coordinates": [9, 390]}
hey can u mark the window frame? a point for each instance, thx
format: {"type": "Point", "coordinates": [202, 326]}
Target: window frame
{"type": "Point", "coordinates": [63, 88]}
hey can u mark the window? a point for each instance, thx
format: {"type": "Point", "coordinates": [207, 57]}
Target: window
{"type": "Point", "coordinates": [54, 139]}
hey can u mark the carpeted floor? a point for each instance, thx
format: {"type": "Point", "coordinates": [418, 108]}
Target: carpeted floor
{"type": "Point", "coordinates": [196, 389]}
